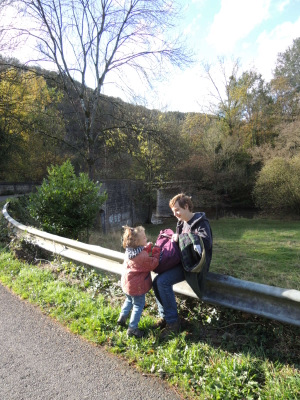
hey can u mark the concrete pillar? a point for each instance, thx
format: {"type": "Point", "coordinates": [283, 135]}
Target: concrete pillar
{"type": "Point", "coordinates": [162, 203]}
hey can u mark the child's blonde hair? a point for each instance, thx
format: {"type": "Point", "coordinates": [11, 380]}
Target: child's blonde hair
{"type": "Point", "coordinates": [131, 236]}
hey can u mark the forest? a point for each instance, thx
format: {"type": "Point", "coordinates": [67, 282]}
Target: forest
{"type": "Point", "coordinates": [243, 153]}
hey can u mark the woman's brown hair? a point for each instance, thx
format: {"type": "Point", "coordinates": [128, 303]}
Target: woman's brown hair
{"type": "Point", "coordinates": [182, 200]}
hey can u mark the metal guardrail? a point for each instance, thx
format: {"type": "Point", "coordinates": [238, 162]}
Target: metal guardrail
{"type": "Point", "coordinates": [267, 301]}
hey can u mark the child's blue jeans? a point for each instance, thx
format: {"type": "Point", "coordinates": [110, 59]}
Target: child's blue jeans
{"type": "Point", "coordinates": [137, 304]}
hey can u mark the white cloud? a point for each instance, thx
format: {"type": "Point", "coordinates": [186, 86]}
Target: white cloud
{"type": "Point", "coordinates": [282, 5]}
{"type": "Point", "coordinates": [235, 20]}
{"type": "Point", "coordinates": [272, 43]}
{"type": "Point", "coordinates": [191, 90]}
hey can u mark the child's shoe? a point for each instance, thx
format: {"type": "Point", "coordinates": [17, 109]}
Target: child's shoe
{"type": "Point", "coordinates": [135, 332]}
{"type": "Point", "coordinates": [122, 320]}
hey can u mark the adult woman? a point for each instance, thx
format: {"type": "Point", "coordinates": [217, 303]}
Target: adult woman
{"type": "Point", "coordinates": [188, 221]}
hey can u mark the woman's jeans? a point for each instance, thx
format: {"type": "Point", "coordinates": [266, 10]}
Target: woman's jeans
{"type": "Point", "coordinates": [137, 304]}
{"type": "Point", "coordinates": [165, 297]}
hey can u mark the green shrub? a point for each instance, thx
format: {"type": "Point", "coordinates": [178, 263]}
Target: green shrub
{"type": "Point", "coordinates": [66, 204]}
{"type": "Point", "coordinates": [278, 186]}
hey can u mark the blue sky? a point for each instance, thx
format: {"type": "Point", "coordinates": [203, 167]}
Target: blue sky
{"type": "Point", "coordinates": [254, 31]}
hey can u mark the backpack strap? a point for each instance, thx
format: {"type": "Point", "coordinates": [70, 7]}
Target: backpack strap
{"type": "Point", "coordinates": [166, 235]}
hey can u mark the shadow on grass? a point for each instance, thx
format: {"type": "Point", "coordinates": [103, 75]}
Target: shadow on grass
{"type": "Point", "coordinates": [238, 332]}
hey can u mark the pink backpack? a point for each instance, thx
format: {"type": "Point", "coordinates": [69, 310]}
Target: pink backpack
{"type": "Point", "coordinates": [170, 256]}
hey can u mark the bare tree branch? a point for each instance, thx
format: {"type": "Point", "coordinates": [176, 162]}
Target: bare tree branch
{"type": "Point", "coordinates": [87, 40]}
{"type": "Point", "coordinates": [118, 37]}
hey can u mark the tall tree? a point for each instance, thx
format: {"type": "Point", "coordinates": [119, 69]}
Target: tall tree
{"type": "Point", "coordinates": [286, 82]}
{"type": "Point", "coordinates": [226, 103]}
{"type": "Point", "coordinates": [28, 117]}
{"type": "Point", "coordinates": [258, 109]}
{"type": "Point", "coordinates": [243, 104]}
{"type": "Point", "coordinates": [88, 40]}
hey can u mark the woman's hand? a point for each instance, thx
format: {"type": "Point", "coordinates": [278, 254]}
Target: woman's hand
{"type": "Point", "coordinates": [175, 237]}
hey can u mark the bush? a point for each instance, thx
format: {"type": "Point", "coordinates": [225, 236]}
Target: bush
{"type": "Point", "coordinates": [66, 204]}
{"type": "Point", "coordinates": [278, 186]}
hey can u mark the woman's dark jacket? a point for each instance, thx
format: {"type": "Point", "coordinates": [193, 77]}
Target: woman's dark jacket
{"type": "Point", "coordinates": [199, 224]}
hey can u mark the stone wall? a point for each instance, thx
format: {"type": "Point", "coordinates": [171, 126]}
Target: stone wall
{"type": "Point", "coordinates": [126, 204]}
{"type": "Point", "coordinates": [11, 189]}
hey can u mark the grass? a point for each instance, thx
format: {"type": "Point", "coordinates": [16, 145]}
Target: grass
{"type": "Point", "coordinates": [261, 250]}
{"type": "Point", "coordinates": [221, 353]}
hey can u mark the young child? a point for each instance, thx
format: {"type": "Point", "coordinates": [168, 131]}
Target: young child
{"type": "Point", "coordinates": [140, 259]}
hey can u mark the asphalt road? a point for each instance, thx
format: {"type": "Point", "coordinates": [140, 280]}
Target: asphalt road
{"type": "Point", "coordinates": [41, 360]}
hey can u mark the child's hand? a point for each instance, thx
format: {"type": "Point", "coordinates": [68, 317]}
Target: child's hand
{"type": "Point", "coordinates": [156, 250]}
{"type": "Point", "coordinates": [148, 247]}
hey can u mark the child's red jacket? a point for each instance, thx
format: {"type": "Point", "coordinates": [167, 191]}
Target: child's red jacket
{"type": "Point", "coordinates": [136, 279]}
